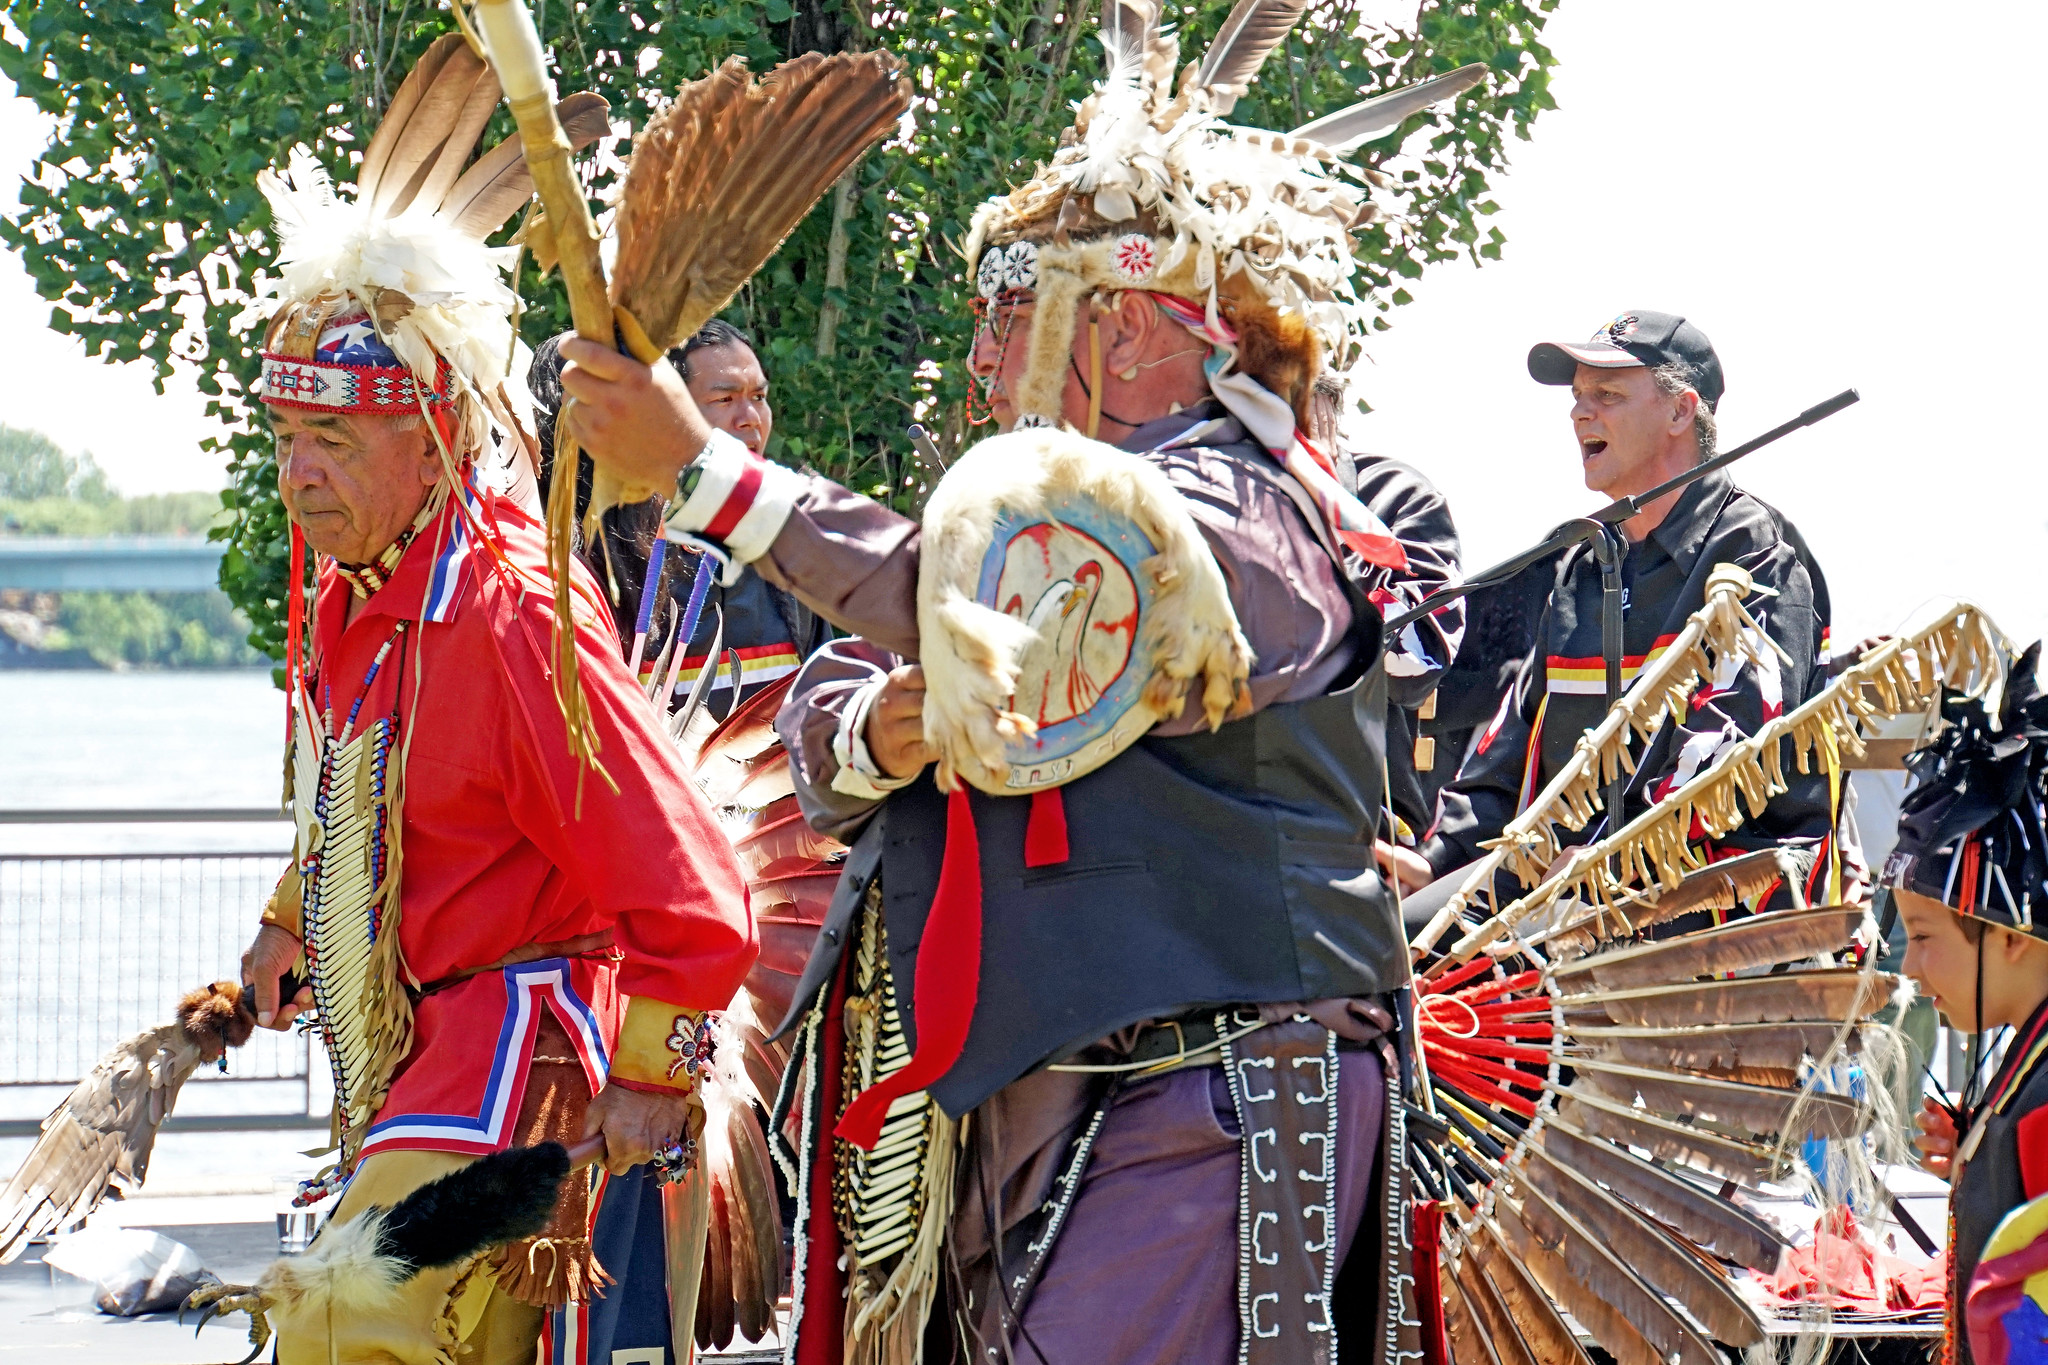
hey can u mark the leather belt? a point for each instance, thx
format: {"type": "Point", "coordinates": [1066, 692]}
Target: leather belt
{"type": "Point", "coordinates": [597, 945]}
{"type": "Point", "coordinates": [1174, 1044]}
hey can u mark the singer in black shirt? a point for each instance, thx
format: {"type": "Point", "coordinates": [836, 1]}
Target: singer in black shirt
{"type": "Point", "coordinates": [1644, 391]}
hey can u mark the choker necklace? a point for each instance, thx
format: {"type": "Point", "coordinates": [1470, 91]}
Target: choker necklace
{"type": "Point", "coordinates": [364, 579]}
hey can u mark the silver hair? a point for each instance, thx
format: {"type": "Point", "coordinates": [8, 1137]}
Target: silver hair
{"type": "Point", "coordinates": [1676, 377]}
{"type": "Point", "coordinates": [407, 421]}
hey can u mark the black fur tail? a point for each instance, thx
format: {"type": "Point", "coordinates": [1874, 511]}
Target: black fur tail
{"type": "Point", "coordinates": [501, 1198]}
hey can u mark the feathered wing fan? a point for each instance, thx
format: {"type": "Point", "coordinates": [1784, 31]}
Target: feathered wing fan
{"type": "Point", "coordinates": [104, 1130]}
{"type": "Point", "coordinates": [1600, 1090]}
{"type": "Point", "coordinates": [791, 872]}
{"type": "Point", "coordinates": [720, 178]}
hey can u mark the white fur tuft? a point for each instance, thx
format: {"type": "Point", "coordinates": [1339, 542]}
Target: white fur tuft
{"type": "Point", "coordinates": [971, 653]}
{"type": "Point", "coordinates": [341, 1273]}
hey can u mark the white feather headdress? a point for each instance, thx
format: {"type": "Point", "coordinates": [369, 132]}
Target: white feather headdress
{"type": "Point", "coordinates": [406, 249]}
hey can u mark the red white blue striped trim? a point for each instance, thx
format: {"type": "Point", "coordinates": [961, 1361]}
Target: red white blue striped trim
{"type": "Point", "coordinates": [741, 500]}
{"type": "Point", "coordinates": [529, 988]}
{"type": "Point", "coordinates": [444, 584]}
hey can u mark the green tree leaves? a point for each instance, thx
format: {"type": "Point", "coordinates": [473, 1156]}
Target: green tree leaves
{"type": "Point", "coordinates": [143, 227]}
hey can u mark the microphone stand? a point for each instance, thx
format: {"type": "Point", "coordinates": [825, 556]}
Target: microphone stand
{"type": "Point", "coordinates": [1602, 531]}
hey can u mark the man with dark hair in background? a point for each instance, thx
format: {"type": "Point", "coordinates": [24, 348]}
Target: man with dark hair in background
{"type": "Point", "coordinates": [754, 636]}
{"type": "Point", "coordinates": [760, 633]}
{"type": "Point", "coordinates": [1644, 392]}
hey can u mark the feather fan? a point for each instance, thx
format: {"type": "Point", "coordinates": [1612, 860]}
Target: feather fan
{"type": "Point", "coordinates": [104, 1130]}
{"type": "Point", "coordinates": [721, 177]}
{"type": "Point", "coordinates": [1602, 1084]}
{"type": "Point", "coordinates": [1354, 125]}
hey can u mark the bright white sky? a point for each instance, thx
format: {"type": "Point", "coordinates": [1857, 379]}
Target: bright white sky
{"type": "Point", "coordinates": [1838, 194]}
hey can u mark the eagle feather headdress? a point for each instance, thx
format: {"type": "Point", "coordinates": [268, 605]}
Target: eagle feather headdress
{"type": "Point", "coordinates": [406, 246]}
{"type": "Point", "coordinates": [1153, 188]}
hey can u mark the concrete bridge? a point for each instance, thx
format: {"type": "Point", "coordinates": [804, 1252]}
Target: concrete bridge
{"type": "Point", "coordinates": [110, 563]}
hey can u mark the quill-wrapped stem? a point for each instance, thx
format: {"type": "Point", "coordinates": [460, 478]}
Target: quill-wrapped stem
{"type": "Point", "coordinates": [515, 53]}
{"type": "Point", "coordinates": [514, 45]}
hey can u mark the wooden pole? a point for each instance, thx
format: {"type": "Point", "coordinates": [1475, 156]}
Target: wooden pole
{"type": "Point", "coordinates": [515, 53]}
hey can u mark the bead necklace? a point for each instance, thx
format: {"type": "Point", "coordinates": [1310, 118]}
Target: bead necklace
{"type": "Point", "coordinates": [327, 697]}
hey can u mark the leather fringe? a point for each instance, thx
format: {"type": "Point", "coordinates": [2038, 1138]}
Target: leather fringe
{"type": "Point", "coordinates": [885, 1317]}
{"type": "Point", "coordinates": [551, 1272]}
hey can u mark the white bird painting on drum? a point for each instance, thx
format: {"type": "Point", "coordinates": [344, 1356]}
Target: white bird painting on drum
{"type": "Point", "coordinates": [1083, 608]}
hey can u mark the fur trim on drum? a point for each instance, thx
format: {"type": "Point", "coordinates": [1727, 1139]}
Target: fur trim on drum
{"type": "Point", "coordinates": [972, 654]}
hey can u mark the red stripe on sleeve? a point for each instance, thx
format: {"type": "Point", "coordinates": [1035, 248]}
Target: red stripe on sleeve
{"type": "Point", "coordinates": [737, 503]}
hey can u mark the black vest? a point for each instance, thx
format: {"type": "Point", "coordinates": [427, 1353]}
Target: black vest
{"type": "Point", "coordinates": [1205, 870]}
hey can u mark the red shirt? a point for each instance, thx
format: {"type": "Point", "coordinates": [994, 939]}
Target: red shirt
{"type": "Point", "coordinates": [495, 856]}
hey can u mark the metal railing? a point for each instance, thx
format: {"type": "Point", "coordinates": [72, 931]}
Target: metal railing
{"type": "Point", "coordinates": [96, 947]}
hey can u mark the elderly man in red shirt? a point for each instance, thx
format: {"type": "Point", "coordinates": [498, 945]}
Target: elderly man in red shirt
{"type": "Point", "coordinates": [505, 947]}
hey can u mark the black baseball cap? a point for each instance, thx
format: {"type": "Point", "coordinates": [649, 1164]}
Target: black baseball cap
{"type": "Point", "coordinates": [1636, 337]}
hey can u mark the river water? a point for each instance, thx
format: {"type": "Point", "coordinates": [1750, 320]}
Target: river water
{"type": "Point", "coordinates": [93, 739]}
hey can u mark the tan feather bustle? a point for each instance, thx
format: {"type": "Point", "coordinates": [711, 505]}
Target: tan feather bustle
{"type": "Point", "coordinates": [785, 863]}
{"type": "Point", "coordinates": [1613, 1076]}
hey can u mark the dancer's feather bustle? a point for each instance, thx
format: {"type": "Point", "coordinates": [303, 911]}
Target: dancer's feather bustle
{"type": "Point", "coordinates": [1704, 1291]}
{"type": "Point", "coordinates": [1757, 941]}
{"type": "Point", "coordinates": [1713, 1223]}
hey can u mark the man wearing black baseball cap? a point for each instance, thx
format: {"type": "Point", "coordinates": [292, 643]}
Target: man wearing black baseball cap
{"type": "Point", "coordinates": [1644, 390]}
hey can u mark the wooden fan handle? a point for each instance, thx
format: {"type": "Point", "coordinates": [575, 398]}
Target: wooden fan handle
{"type": "Point", "coordinates": [586, 1151]}
{"type": "Point", "coordinates": [515, 54]}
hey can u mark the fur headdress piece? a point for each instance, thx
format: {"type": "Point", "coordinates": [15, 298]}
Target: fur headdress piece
{"type": "Point", "coordinates": [388, 294]}
{"type": "Point", "coordinates": [1153, 189]}
{"type": "Point", "coordinates": [1973, 831]}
